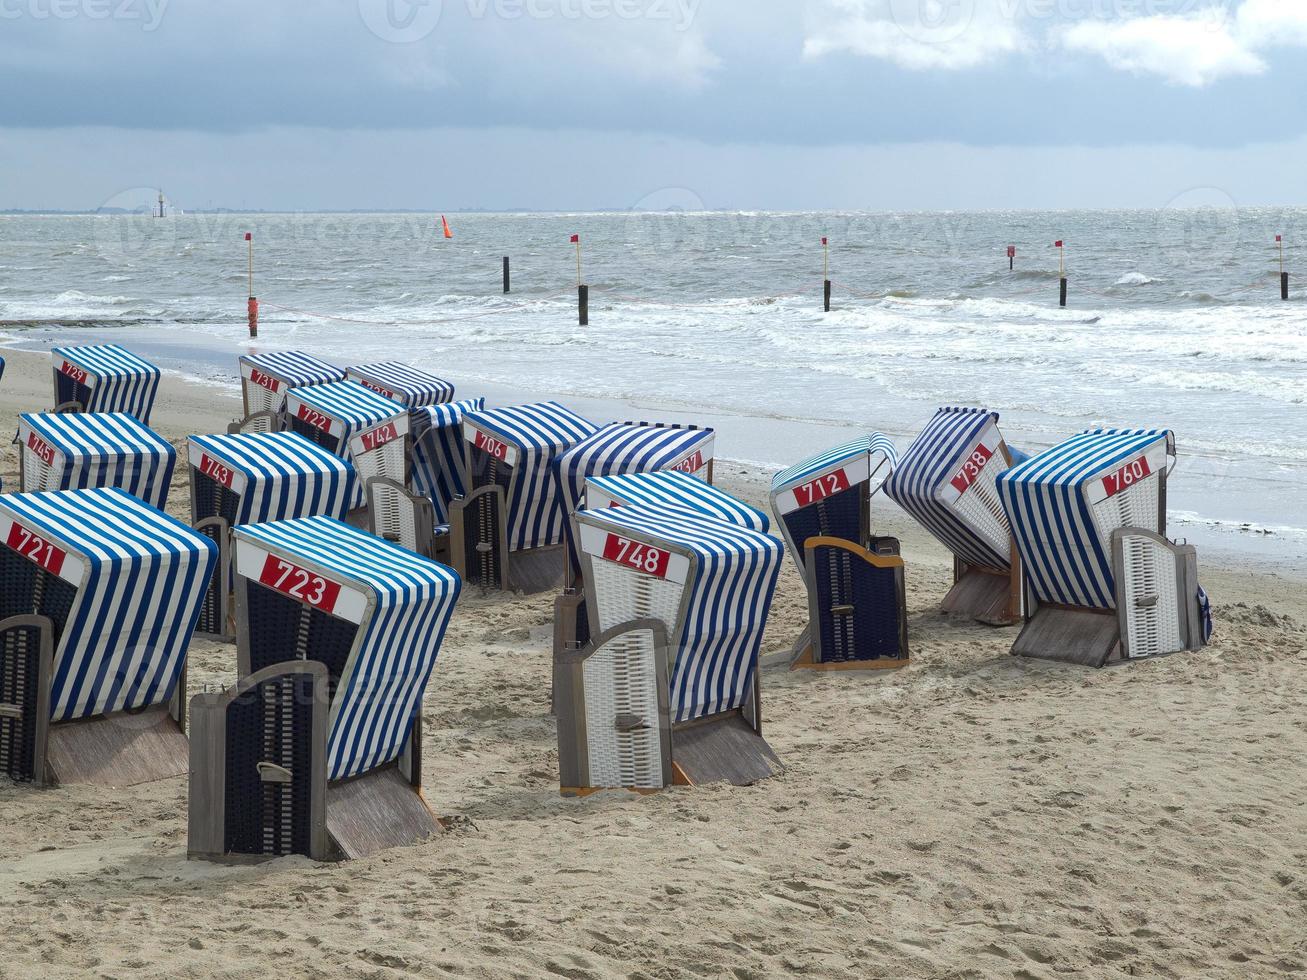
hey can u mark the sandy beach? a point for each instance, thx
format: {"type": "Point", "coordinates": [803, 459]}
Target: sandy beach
{"type": "Point", "coordinates": [971, 815]}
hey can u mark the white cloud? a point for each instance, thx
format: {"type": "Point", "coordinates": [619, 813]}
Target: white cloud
{"type": "Point", "coordinates": [919, 35]}
{"type": "Point", "coordinates": [1188, 50]}
{"type": "Point", "coordinates": [1270, 23]}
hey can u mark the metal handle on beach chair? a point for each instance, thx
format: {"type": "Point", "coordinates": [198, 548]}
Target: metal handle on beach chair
{"type": "Point", "coordinates": [270, 772]}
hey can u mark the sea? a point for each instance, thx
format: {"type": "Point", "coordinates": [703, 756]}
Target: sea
{"type": "Point", "coordinates": [1174, 319]}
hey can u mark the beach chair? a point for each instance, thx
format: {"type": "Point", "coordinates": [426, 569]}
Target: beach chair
{"type": "Point", "coordinates": [356, 424]}
{"type": "Point", "coordinates": [99, 594]}
{"type": "Point", "coordinates": [411, 387]}
{"type": "Point", "coordinates": [94, 449]}
{"type": "Point", "coordinates": [946, 481]}
{"type": "Point", "coordinates": [317, 748]}
{"type": "Point", "coordinates": [858, 616]}
{"type": "Point", "coordinates": [253, 478]}
{"type": "Point", "coordinates": [666, 691]}
{"type": "Point", "coordinates": [508, 531]}
{"type": "Point", "coordinates": [416, 515]}
{"type": "Point", "coordinates": [1103, 582]}
{"type": "Point", "coordinates": [669, 491]}
{"type": "Point", "coordinates": [266, 379]}
{"type": "Point", "coordinates": [103, 378]}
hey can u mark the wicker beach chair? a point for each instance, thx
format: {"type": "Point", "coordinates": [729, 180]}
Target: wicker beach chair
{"type": "Point", "coordinates": [856, 593]}
{"type": "Point", "coordinates": [508, 531]}
{"type": "Point", "coordinates": [415, 515]}
{"type": "Point", "coordinates": [252, 479]}
{"type": "Point", "coordinates": [267, 378]}
{"type": "Point", "coordinates": [666, 692]}
{"type": "Point", "coordinates": [946, 480]}
{"type": "Point", "coordinates": [104, 378]}
{"type": "Point", "coordinates": [99, 594]}
{"type": "Point", "coordinates": [317, 749]}
{"type": "Point", "coordinates": [1103, 582]}
{"type": "Point", "coordinates": [94, 449]}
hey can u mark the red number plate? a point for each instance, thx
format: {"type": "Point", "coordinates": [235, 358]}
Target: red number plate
{"type": "Point", "coordinates": [378, 437]}
{"type": "Point", "coordinates": [315, 419]}
{"type": "Point", "coordinates": [384, 392]}
{"type": "Point", "coordinates": [821, 488]}
{"type": "Point", "coordinates": [36, 548]}
{"type": "Point", "coordinates": [299, 583]}
{"type": "Point", "coordinates": [971, 468]}
{"type": "Point", "coordinates": [264, 381]}
{"type": "Point", "coordinates": [692, 464]}
{"type": "Point", "coordinates": [1126, 477]}
{"type": "Point", "coordinates": [492, 446]}
{"type": "Point", "coordinates": [220, 472]}
{"type": "Point", "coordinates": [642, 557]}
{"type": "Point", "coordinates": [73, 371]}
{"type": "Point", "coordinates": [42, 448]}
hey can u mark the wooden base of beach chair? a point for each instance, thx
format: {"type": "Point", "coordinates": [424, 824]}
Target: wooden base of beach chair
{"type": "Point", "coordinates": [118, 750]}
{"type": "Point", "coordinates": [803, 661]}
{"type": "Point", "coordinates": [537, 570]}
{"type": "Point", "coordinates": [988, 595]}
{"type": "Point", "coordinates": [1091, 637]}
{"type": "Point", "coordinates": [375, 811]}
{"type": "Point", "coordinates": [724, 748]}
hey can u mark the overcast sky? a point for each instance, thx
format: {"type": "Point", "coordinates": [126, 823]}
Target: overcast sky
{"type": "Point", "coordinates": [566, 104]}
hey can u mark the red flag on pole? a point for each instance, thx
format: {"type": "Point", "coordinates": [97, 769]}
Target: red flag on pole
{"type": "Point", "coordinates": [823, 239]}
{"type": "Point", "coordinates": [247, 236]}
{"type": "Point", "coordinates": [1058, 243]}
{"type": "Point", "coordinates": [1279, 238]}
{"type": "Point", "coordinates": [576, 239]}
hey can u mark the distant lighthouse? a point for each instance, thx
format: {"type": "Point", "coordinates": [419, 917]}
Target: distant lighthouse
{"type": "Point", "coordinates": [160, 212]}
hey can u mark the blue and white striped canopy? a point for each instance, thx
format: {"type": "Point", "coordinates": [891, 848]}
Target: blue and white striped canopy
{"type": "Point", "coordinates": [1060, 504]}
{"type": "Point", "coordinates": [402, 603]}
{"type": "Point", "coordinates": [628, 447]}
{"type": "Point", "coordinates": [277, 475]}
{"type": "Point", "coordinates": [291, 368]}
{"type": "Point", "coordinates": [139, 578]}
{"type": "Point", "coordinates": [118, 380]}
{"type": "Point", "coordinates": [731, 577]}
{"type": "Point", "coordinates": [875, 446]}
{"type": "Point", "coordinates": [407, 385]}
{"type": "Point", "coordinates": [921, 482]}
{"type": "Point", "coordinates": [346, 402]}
{"type": "Point", "coordinates": [672, 491]}
{"type": "Point", "coordinates": [527, 439]}
{"type": "Point", "coordinates": [95, 449]}
{"type": "Point", "coordinates": [439, 467]}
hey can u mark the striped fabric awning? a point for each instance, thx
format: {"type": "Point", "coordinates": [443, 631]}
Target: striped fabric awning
{"type": "Point", "coordinates": [875, 447]}
{"type": "Point", "coordinates": [284, 369]}
{"type": "Point", "coordinates": [117, 380]}
{"type": "Point", "coordinates": [399, 382]}
{"type": "Point", "coordinates": [439, 468]}
{"type": "Point", "coordinates": [527, 439]}
{"type": "Point", "coordinates": [673, 491]}
{"type": "Point", "coordinates": [341, 407]}
{"type": "Point", "coordinates": [628, 447]}
{"type": "Point", "coordinates": [276, 475]}
{"type": "Point", "coordinates": [932, 478]}
{"type": "Point", "coordinates": [136, 578]}
{"type": "Point", "coordinates": [1065, 502]}
{"type": "Point", "coordinates": [730, 575]}
{"type": "Point", "coordinates": [401, 603]}
{"type": "Point", "coordinates": [95, 449]}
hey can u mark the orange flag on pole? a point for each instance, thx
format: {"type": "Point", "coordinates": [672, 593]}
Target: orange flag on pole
{"type": "Point", "coordinates": [445, 225]}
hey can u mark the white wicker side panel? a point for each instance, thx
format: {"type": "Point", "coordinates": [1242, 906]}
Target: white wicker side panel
{"type": "Point", "coordinates": [1136, 506]}
{"type": "Point", "coordinates": [981, 508]}
{"type": "Point", "coordinates": [386, 461]}
{"type": "Point", "coordinates": [38, 474]}
{"type": "Point", "coordinates": [260, 399]}
{"type": "Point", "coordinates": [1152, 612]}
{"type": "Point", "coordinates": [393, 516]}
{"type": "Point", "coordinates": [621, 679]}
{"type": "Point", "coordinates": [624, 595]}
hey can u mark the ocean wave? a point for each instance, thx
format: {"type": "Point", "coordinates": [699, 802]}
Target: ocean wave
{"type": "Point", "coordinates": [1134, 279]}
